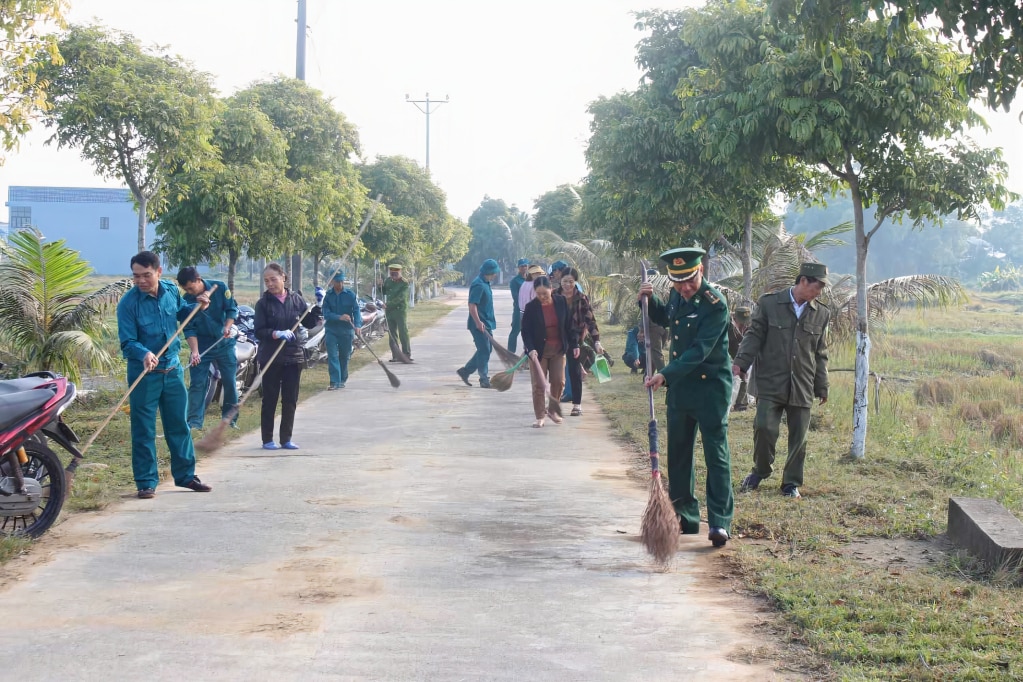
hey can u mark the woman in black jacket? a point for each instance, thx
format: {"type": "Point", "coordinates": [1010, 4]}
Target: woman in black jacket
{"type": "Point", "coordinates": [545, 337]}
{"type": "Point", "coordinates": [276, 313]}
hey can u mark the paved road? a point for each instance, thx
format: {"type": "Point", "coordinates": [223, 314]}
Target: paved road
{"type": "Point", "coordinates": [426, 533]}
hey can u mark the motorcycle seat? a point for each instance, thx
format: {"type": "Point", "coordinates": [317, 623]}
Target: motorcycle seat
{"type": "Point", "coordinates": [244, 351]}
{"type": "Point", "coordinates": [14, 407]}
{"type": "Point", "coordinates": [22, 384]}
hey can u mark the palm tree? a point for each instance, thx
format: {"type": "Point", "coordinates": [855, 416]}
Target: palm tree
{"type": "Point", "coordinates": [49, 320]}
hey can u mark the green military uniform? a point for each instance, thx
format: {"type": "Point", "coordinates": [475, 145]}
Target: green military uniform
{"type": "Point", "coordinates": [736, 330]}
{"type": "Point", "coordinates": [699, 384]}
{"type": "Point", "coordinates": [791, 355]}
{"type": "Point", "coordinates": [396, 313]}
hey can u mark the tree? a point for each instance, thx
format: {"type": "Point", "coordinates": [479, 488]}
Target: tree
{"type": "Point", "coordinates": [990, 30]}
{"type": "Point", "coordinates": [883, 119]}
{"type": "Point", "coordinates": [558, 211]}
{"type": "Point", "coordinates": [500, 232]}
{"type": "Point", "coordinates": [239, 203]}
{"type": "Point", "coordinates": [24, 50]}
{"type": "Point", "coordinates": [49, 318]}
{"type": "Point", "coordinates": [136, 114]}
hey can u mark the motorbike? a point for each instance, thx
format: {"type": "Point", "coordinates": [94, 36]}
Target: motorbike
{"type": "Point", "coordinates": [374, 322]}
{"type": "Point", "coordinates": [32, 480]}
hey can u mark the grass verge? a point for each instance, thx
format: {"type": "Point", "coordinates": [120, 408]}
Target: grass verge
{"type": "Point", "coordinates": [858, 568]}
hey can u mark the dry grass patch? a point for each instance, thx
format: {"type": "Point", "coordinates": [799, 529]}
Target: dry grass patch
{"type": "Point", "coordinates": [935, 392]}
{"type": "Point", "coordinates": [1008, 428]}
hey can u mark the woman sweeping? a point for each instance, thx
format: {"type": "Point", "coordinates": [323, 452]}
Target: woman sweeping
{"type": "Point", "coordinates": [546, 340]}
{"type": "Point", "coordinates": [581, 323]}
{"type": "Point", "coordinates": [276, 313]}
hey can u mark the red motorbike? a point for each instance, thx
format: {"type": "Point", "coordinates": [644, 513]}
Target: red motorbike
{"type": "Point", "coordinates": [32, 478]}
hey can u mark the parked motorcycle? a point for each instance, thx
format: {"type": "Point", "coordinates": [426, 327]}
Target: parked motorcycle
{"type": "Point", "coordinates": [32, 482]}
{"type": "Point", "coordinates": [245, 353]}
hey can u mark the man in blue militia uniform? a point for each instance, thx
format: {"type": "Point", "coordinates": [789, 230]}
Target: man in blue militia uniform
{"type": "Point", "coordinates": [699, 380]}
{"type": "Point", "coordinates": [341, 318]}
{"type": "Point", "coordinates": [514, 286]}
{"type": "Point", "coordinates": [211, 329]}
{"type": "Point", "coordinates": [480, 323]}
{"type": "Point", "coordinates": [147, 317]}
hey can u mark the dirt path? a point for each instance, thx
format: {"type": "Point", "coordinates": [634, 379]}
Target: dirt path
{"type": "Point", "coordinates": [426, 533]}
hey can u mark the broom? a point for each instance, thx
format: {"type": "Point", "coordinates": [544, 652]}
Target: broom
{"type": "Point", "coordinates": [390, 375]}
{"type": "Point", "coordinates": [506, 356]}
{"type": "Point", "coordinates": [215, 439]}
{"type": "Point", "coordinates": [659, 530]}
{"type": "Point", "coordinates": [502, 381]}
{"type": "Point", "coordinates": [396, 352]}
{"type": "Point", "coordinates": [69, 473]}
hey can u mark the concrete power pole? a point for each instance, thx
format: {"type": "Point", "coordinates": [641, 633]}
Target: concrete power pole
{"type": "Point", "coordinates": [296, 258]}
{"type": "Point", "coordinates": [429, 106]}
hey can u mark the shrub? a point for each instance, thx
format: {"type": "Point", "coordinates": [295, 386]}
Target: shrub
{"type": "Point", "coordinates": [1009, 428]}
{"type": "Point", "coordinates": [990, 408]}
{"type": "Point", "coordinates": [970, 412]}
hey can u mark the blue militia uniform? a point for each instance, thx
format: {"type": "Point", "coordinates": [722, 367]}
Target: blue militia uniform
{"type": "Point", "coordinates": [516, 325]}
{"type": "Point", "coordinates": [208, 328]}
{"type": "Point", "coordinates": [338, 334]}
{"type": "Point", "coordinates": [144, 324]}
{"type": "Point", "coordinates": [482, 295]}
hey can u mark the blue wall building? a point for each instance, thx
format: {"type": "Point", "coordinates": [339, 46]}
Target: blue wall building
{"type": "Point", "coordinates": [101, 224]}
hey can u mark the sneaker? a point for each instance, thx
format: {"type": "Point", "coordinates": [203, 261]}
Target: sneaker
{"type": "Point", "coordinates": [147, 493]}
{"type": "Point", "coordinates": [196, 485]}
{"type": "Point", "coordinates": [271, 446]}
{"type": "Point", "coordinates": [332, 387]}
{"type": "Point", "coordinates": [718, 536]}
{"type": "Point", "coordinates": [576, 411]}
{"type": "Point", "coordinates": [463, 375]}
{"type": "Point", "coordinates": [790, 490]}
{"type": "Point", "coordinates": [538, 424]}
{"type": "Point", "coordinates": [341, 385]}
{"type": "Point", "coordinates": [750, 483]}
{"type": "Point", "coordinates": [290, 445]}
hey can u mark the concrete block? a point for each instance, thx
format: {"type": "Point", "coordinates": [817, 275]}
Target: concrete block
{"type": "Point", "coordinates": [986, 529]}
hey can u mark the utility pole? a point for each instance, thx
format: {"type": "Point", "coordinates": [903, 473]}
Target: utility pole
{"type": "Point", "coordinates": [296, 258]}
{"type": "Point", "coordinates": [429, 106]}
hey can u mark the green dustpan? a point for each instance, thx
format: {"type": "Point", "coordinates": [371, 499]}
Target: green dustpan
{"type": "Point", "coordinates": [601, 370]}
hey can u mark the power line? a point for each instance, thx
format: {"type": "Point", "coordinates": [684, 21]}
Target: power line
{"type": "Point", "coordinates": [429, 106]}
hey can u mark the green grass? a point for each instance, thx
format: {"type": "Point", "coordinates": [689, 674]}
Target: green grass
{"type": "Point", "coordinates": [106, 476]}
{"type": "Point", "coordinates": [871, 620]}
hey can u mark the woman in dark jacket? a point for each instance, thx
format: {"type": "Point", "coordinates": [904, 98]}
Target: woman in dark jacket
{"type": "Point", "coordinates": [581, 324]}
{"type": "Point", "coordinates": [276, 313]}
{"type": "Point", "coordinates": [545, 337]}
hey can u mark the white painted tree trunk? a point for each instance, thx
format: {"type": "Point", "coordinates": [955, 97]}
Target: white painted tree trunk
{"type": "Point", "coordinates": [858, 449]}
{"type": "Point", "coordinates": [143, 201]}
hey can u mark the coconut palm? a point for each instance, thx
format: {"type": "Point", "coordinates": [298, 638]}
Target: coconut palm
{"type": "Point", "coordinates": [49, 318]}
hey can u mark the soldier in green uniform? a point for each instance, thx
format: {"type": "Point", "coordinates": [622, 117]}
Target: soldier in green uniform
{"type": "Point", "coordinates": [787, 340]}
{"type": "Point", "coordinates": [515, 285]}
{"type": "Point", "coordinates": [699, 385]}
{"type": "Point", "coordinates": [395, 291]}
{"type": "Point", "coordinates": [212, 330]}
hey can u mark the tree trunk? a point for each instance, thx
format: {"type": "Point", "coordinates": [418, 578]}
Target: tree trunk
{"type": "Point", "coordinates": [232, 266]}
{"type": "Point", "coordinates": [860, 392]}
{"type": "Point", "coordinates": [143, 220]}
{"type": "Point", "coordinates": [296, 271]}
{"type": "Point", "coordinates": [746, 256]}
{"type": "Point", "coordinates": [355, 278]}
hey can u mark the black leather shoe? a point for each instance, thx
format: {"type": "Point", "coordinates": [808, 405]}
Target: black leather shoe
{"type": "Point", "coordinates": [718, 536]}
{"type": "Point", "coordinates": [147, 494]}
{"type": "Point", "coordinates": [197, 485]}
{"type": "Point", "coordinates": [463, 375]}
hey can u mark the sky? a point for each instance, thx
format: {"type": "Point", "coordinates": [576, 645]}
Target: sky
{"type": "Point", "coordinates": [519, 76]}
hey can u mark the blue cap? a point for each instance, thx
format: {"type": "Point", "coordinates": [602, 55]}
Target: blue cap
{"type": "Point", "coordinates": [490, 267]}
{"type": "Point", "coordinates": [523, 262]}
{"type": "Point", "coordinates": [339, 276]}
{"type": "Point", "coordinates": [558, 265]}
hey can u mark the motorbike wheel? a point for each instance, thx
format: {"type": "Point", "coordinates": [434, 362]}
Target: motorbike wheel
{"type": "Point", "coordinates": [45, 467]}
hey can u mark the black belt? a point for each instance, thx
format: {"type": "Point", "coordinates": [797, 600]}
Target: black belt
{"type": "Point", "coordinates": [168, 370]}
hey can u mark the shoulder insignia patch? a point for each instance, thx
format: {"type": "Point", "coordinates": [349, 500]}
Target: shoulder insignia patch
{"type": "Point", "coordinates": [711, 296]}
{"type": "Point", "coordinates": [227, 294]}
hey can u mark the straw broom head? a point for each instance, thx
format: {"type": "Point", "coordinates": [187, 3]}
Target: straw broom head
{"type": "Point", "coordinates": [502, 381]}
{"type": "Point", "coordinates": [660, 528]}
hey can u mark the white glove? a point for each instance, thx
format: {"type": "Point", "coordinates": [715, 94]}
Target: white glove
{"type": "Point", "coordinates": [285, 334]}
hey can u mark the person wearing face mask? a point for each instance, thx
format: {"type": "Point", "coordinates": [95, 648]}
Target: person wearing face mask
{"type": "Point", "coordinates": [480, 323]}
{"type": "Point", "coordinates": [581, 324]}
{"type": "Point", "coordinates": [699, 381]}
{"type": "Point", "coordinates": [546, 338]}
{"type": "Point", "coordinates": [277, 311]}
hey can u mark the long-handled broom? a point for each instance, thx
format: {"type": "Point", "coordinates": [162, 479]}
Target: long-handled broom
{"type": "Point", "coordinates": [506, 356]}
{"type": "Point", "coordinates": [395, 382]}
{"type": "Point", "coordinates": [396, 352]}
{"type": "Point", "coordinates": [138, 380]}
{"type": "Point", "coordinates": [553, 403]}
{"type": "Point", "coordinates": [660, 528]}
{"type": "Point", "coordinates": [502, 381]}
{"type": "Point", "coordinates": [215, 439]}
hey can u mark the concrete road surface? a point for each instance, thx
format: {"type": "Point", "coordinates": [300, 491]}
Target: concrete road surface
{"type": "Point", "coordinates": [425, 533]}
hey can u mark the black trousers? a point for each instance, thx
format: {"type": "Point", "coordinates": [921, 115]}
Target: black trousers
{"type": "Point", "coordinates": [280, 381]}
{"type": "Point", "coordinates": [575, 378]}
